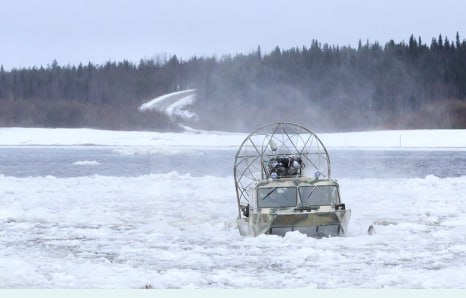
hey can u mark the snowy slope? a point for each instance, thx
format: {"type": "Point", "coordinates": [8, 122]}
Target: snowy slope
{"type": "Point", "coordinates": [174, 104]}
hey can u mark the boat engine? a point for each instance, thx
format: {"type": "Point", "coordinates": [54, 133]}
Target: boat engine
{"type": "Point", "coordinates": [284, 166]}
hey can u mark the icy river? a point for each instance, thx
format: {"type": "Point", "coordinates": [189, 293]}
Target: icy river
{"type": "Point", "coordinates": [106, 217]}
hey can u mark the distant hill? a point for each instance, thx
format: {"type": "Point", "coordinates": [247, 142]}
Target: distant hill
{"type": "Point", "coordinates": [400, 85]}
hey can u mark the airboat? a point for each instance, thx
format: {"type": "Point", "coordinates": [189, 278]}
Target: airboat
{"type": "Point", "coordinates": [283, 183]}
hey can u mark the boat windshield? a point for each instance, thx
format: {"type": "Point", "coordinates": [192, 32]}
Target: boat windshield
{"type": "Point", "coordinates": [319, 195]}
{"type": "Point", "coordinates": [276, 197]}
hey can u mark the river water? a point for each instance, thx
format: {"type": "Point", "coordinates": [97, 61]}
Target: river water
{"type": "Point", "coordinates": [85, 161]}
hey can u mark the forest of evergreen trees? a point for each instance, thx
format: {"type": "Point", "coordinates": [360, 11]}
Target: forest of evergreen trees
{"type": "Point", "coordinates": [410, 84]}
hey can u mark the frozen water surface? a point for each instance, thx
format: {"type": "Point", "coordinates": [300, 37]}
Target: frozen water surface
{"type": "Point", "coordinates": [177, 231]}
{"type": "Point", "coordinates": [126, 219]}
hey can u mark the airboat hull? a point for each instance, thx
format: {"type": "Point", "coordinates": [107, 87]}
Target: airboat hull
{"type": "Point", "coordinates": [313, 224]}
{"type": "Point", "coordinates": [283, 183]}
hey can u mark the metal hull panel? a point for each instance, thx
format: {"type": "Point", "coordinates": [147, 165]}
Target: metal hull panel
{"type": "Point", "coordinates": [314, 224]}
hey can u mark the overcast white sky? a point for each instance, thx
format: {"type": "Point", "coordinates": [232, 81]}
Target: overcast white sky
{"type": "Point", "coordinates": [35, 32]}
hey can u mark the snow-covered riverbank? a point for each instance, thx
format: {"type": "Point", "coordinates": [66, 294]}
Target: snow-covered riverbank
{"type": "Point", "coordinates": [390, 139]}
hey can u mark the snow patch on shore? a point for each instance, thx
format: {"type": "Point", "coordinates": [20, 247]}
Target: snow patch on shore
{"type": "Point", "coordinates": [174, 104]}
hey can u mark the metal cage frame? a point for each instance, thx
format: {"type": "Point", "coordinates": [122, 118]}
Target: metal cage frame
{"type": "Point", "coordinates": [272, 140]}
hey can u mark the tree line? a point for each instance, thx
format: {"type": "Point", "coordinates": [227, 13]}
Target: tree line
{"type": "Point", "coordinates": [411, 84]}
